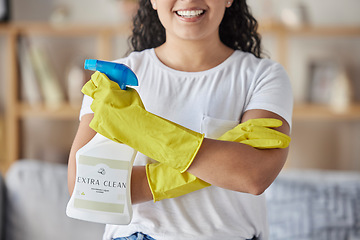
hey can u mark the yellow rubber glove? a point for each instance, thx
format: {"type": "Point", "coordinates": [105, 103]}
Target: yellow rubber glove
{"type": "Point", "coordinates": [166, 182]}
{"type": "Point", "coordinates": [120, 116]}
{"type": "Point", "coordinates": [258, 133]}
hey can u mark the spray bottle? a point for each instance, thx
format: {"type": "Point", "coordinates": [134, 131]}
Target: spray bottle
{"type": "Point", "coordinates": [103, 167]}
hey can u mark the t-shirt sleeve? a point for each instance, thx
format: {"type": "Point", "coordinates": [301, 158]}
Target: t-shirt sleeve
{"type": "Point", "coordinates": [85, 107]}
{"type": "Point", "coordinates": [271, 91]}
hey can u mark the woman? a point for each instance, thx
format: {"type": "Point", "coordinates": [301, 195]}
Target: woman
{"type": "Point", "coordinates": [199, 65]}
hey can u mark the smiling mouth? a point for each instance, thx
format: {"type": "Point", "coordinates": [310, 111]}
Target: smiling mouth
{"type": "Point", "coordinates": [190, 13]}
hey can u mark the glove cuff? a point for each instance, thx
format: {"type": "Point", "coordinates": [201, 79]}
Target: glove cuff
{"type": "Point", "coordinates": [166, 182]}
{"type": "Point", "coordinates": [201, 139]}
{"type": "Point", "coordinates": [149, 181]}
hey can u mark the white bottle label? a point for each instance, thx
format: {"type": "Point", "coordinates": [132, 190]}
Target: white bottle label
{"type": "Point", "coordinates": [101, 184]}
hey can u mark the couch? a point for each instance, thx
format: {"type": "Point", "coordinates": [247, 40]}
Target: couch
{"type": "Point", "coordinates": [302, 205]}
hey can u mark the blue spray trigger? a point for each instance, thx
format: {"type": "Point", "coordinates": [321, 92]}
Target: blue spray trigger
{"type": "Point", "coordinates": [117, 72]}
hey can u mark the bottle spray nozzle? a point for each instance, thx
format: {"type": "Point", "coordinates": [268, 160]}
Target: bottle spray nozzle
{"type": "Point", "coordinates": [117, 72]}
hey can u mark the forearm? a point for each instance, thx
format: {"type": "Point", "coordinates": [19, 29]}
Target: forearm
{"type": "Point", "coordinates": [83, 136]}
{"type": "Point", "coordinates": [236, 166]}
{"type": "Point", "coordinates": [140, 190]}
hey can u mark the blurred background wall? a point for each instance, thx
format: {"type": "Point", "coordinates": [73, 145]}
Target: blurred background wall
{"type": "Point", "coordinates": [327, 142]}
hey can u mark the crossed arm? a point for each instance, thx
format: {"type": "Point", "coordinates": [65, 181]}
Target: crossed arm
{"type": "Point", "coordinates": [229, 165]}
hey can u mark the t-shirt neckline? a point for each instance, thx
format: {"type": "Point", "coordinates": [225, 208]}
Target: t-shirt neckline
{"type": "Point", "coordinates": [222, 65]}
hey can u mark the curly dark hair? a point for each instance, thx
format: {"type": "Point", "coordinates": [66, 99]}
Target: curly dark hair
{"type": "Point", "coordinates": [238, 29]}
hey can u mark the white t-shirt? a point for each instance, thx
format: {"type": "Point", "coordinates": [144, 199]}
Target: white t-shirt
{"type": "Point", "coordinates": [210, 102]}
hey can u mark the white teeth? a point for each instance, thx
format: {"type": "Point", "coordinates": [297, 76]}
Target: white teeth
{"type": "Point", "coordinates": [190, 14]}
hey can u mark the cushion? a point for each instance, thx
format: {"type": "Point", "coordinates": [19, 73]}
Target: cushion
{"type": "Point", "coordinates": [314, 205]}
{"type": "Point", "coordinates": [37, 197]}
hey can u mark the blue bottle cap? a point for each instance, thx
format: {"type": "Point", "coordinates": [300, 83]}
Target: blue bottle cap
{"type": "Point", "coordinates": [117, 72]}
{"type": "Point", "coordinates": [90, 64]}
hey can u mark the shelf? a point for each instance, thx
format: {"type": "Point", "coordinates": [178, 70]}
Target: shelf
{"type": "Point", "coordinates": [4, 28]}
{"type": "Point", "coordinates": [302, 112]}
{"type": "Point", "coordinates": [63, 112]}
{"type": "Point", "coordinates": [311, 112]}
{"type": "Point", "coordinates": [325, 31]}
{"type": "Point", "coordinates": [3, 145]}
{"type": "Point", "coordinates": [39, 28]}
{"type": "Point", "coordinates": [270, 27]}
